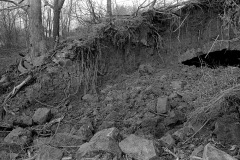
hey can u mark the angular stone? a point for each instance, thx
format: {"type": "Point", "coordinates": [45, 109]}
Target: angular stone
{"type": "Point", "coordinates": [66, 139]}
{"type": "Point", "coordinates": [90, 98]}
{"type": "Point", "coordinates": [197, 152]}
{"type": "Point", "coordinates": [177, 85]}
{"type": "Point", "coordinates": [112, 133]}
{"type": "Point", "coordinates": [39, 142]}
{"type": "Point", "coordinates": [145, 69]}
{"type": "Point", "coordinates": [41, 115]}
{"type": "Point", "coordinates": [18, 136]}
{"type": "Point", "coordinates": [138, 148]}
{"type": "Point", "coordinates": [168, 140]}
{"type": "Point", "coordinates": [104, 141]}
{"type": "Point", "coordinates": [4, 155]}
{"type": "Point", "coordinates": [85, 133]}
{"type": "Point", "coordinates": [23, 121]}
{"type": "Point", "coordinates": [162, 106]}
{"type": "Point", "coordinates": [49, 153]}
{"type": "Point", "coordinates": [182, 133]}
{"type": "Point", "coordinates": [212, 153]}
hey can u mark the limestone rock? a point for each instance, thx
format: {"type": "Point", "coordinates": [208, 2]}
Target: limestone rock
{"type": "Point", "coordinates": [176, 85]}
{"type": "Point", "coordinates": [18, 136]}
{"type": "Point", "coordinates": [39, 142]}
{"type": "Point", "coordinates": [212, 153]}
{"type": "Point", "coordinates": [112, 133]}
{"type": "Point", "coordinates": [49, 153]}
{"type": "Point", "coordinates": [66, 139]}
{"type": "Point", "coordinates": [182, 133]}
{"type": "Point", "coordinates": [138, 148]}
{"type": "Point", "coordinates": [85, 132]}
{"type": "Point", "coordinates": [162, 106]}
{"type": "Point", "coordinates": [145, 69]}
{"type": "Point", "coordinates": [168, 140]}
{"type": "Point", "coordinates": [90, 98]}
{"type": "Point", "coordinates": [41, 115]}
{"type": "Point", "coordinates": [103, 141]}
{"type": "Point", "coordinates": [196, 152]}
{"type": "Point", "coordinates": [23, 121]}
{"type": "Point", "coordinates": [8, 156]}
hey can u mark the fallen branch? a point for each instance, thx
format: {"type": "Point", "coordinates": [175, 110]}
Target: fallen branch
{"type": "Point", "coordinates": [12, 94]}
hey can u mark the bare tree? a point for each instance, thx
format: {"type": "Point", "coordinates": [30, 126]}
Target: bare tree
{"type": "Point", "coordinates": [109, 8]}
{"type": "Point", "coordinates": [57, 6]}
{"type": "Point", "coordinates": [37, 39]}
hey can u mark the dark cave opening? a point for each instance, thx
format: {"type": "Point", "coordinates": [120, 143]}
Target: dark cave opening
{"type": "Point", "coordinates": [216, 59]}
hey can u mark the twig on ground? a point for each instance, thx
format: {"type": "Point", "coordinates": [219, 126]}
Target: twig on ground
{"type": "Point", "coordinates": [58, 120]}
{"type": "Point", "coordinates": [197, 131]}
{"type": "Point", "coordinates": [12, 94]}
{"type": "Point", "coordinates": [170, 152]}
{"type": "Point", "coordinates": [44, 104]}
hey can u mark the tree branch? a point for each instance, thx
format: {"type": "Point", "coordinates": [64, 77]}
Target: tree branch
{"type": "Point", "coordinates": [46, 3]}
{"type": "Point", "coordinates": [60, 3]}
{"type": "Point", "coordinates": [16, 4]}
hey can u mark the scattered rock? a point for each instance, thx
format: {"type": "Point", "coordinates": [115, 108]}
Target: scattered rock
{"type": "Point", "coordinates": [4, 155]}
{"type": "Point", "coordinates": [23, 121]}
{"type": "Point", "coordinates": [18, 136]}
{"type": "Point", "coordinates": [41, 115]}
{"type": "Point", "coordinates": [197, 152]}
{"type": "Point", "coordinates": [105, 90]}
{"type": "Point", "coordinates": [108, 98]}
{"type": "Point", "coordinates": [174, 95]}
{"type": "Point", "coordinates": [162, 106]}
{"type": "Point", "coordinates": [168, 140]}
{"type": "Point", "coordinates": [145, 69]}
{"type": "Point", "coordinates": [112, 116]}
{"type": "Point", "coordinates": [85, 132]}
{"type": "Point", "coordinates": [103, 142]}
{"type": "Point", "coordinates": [176, 85]}
{"type": "Point", "coordinates": [163, 78]}
{"type": "Point", "coordinates": [39, 142]}
{"type": "Point", "coordinates": [138, 148]}
{"type": "Point", "coordinates": [212, 153]}
{"type": "Point", "coordinates": [182, 133]}
{"type": "Point", "coordinates": [227, 132]}
{"type": "Point", "coordinates": [106, 124]}
{"type": "Point", "coordinates": [66, 139]}
{"type": "Point", "coordinates": [49, 153]}
{"type": "Point", "coordinates": [112, 133]}
{"type": "Point", "coordinates": [90, 98]}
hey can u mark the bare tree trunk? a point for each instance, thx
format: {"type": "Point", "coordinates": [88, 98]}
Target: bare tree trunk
{"type": "Point", "coordinates": [49, 22]}
{"type": "Point", "coordinates": [57, 6]}
{"type": "Point", "coordinates": [109, 8]}
{"type": "Point", "coordinates": [37, 39]}
{"type": "Point", "coordinates": [69, 16]}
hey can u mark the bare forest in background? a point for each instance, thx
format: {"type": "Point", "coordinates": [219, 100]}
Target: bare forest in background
{"type": "Point", "coordinates": [74, 16]}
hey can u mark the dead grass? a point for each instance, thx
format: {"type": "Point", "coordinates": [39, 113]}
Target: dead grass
{"type": "Point", "coordinates": [212, 89]}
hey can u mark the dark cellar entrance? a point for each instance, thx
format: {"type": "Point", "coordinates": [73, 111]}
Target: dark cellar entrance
{"type": "Point", "coordinates": [216, 59]}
